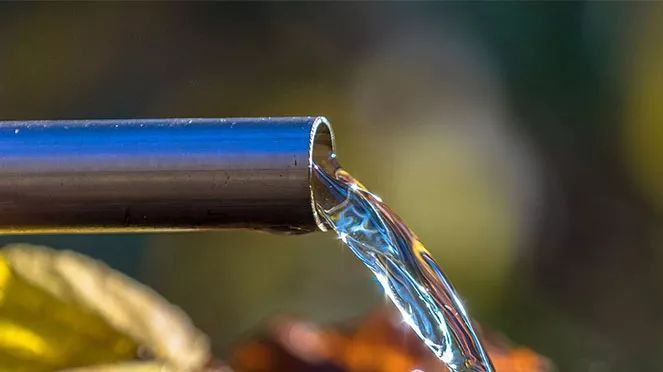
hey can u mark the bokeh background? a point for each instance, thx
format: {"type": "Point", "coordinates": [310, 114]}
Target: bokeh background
{"type": "Point", "coordinates": [522, 141]}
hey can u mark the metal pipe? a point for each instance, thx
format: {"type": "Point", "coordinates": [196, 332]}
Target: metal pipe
{"type": "Point", "coordinates": [160, 174]}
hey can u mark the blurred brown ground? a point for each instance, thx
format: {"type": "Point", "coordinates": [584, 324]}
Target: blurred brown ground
{"type": "Point", "coordinates": [380, 343]}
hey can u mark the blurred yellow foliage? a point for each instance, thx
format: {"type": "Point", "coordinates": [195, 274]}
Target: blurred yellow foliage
{"type": "Point", "coordinates": [59, 309]}
{"type": "Point", "coordinates": [41, 332]}
{"type": "Point", "coordinates": [644, 121]}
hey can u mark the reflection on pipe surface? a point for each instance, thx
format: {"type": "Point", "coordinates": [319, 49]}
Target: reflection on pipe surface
{"type": "Point", "coordinates": [159, 174]}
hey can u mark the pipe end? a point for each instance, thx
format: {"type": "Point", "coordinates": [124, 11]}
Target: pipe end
{"type": "Point", "coordinates": [323, 151]}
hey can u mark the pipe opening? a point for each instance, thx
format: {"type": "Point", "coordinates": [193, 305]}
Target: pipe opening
{"type": "Point", "coordinates": [322, 155]}
{"type": "Point", "coordinates": [323, 141]}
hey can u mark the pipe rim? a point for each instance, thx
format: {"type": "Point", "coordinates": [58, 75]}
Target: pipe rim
{"type": "Point", "coordinates": [322, 145]}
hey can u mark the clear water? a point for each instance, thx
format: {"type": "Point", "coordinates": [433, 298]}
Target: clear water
{"type": "Point", "coordinates": [407, 272]}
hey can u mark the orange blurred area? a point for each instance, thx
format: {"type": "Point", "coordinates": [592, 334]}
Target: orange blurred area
{"type": "Point", "coordinates": [380, 343]}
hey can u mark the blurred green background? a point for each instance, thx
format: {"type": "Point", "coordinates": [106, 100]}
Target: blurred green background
{"type": "Point", "coordinates": [522, 141]}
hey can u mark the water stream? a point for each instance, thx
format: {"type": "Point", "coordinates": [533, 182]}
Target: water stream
{"type": "Point", "coordinates": [400, 262]}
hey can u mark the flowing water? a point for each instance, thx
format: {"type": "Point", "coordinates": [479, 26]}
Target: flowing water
{"type": "Point", "coordinates": [407, 272]}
